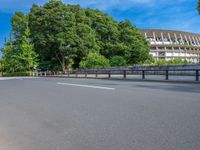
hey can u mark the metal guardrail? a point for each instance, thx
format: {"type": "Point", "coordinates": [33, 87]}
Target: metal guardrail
{"type": "Point", "coordinates": [125, 72]}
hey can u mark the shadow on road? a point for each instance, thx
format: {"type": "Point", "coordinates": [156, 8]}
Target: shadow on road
{"type": "Point", "coordinates": [191, 88]}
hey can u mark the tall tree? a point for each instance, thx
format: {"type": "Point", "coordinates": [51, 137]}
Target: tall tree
{"type": "Point", "coordinates": [198, 7]}
{"type": "Point", "coordinates": [19, 23]}
{"type": "Point", "coordinates": [9, 60]}
{"type": "Point", "coordinates": [60, 32]}
{"type": "Point", "coordinates": [106, 29]}
{"type": "Point", "coordinates": [94, 60]}
{"type": "Point", "coordinates": [27, 56]}
{"type": "Point", "coordinates": [18, 52]}
{"type": "Point", "coordinates": [135, 45]}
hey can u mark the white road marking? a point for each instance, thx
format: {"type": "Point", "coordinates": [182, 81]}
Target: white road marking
{"type": "Point", "coordinates": [87, 86]}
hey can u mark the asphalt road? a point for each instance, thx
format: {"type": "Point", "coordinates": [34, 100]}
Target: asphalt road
{"type": "Point", "coordinates": [81, 114]}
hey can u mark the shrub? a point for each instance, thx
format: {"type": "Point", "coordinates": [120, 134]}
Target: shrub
{"type": "Point", "coordinates": [15, 74]}
{"type": "Point", "coordinates": [117, 61]}
{"type": "Point", "coordinates": [94, 60]}
{"type": "Point", "coordinates": [177, 61]}
{"type": "Point", "coordinates": [150, 59]}
{"type": "Point", "coordinates": [161, 62]}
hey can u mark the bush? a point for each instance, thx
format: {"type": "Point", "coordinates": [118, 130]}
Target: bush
{"type": "Point", "coordinates": [15, 74]}
{"type": "Point", "coordinates": [150, 59]}
{"type": "Point", "coordinates": [94, 60]}
{"type": "Point", "coordinates": [117, 61]}
{"type": "Point", "coordinates": [176, 61]}
{"type": "Point", "coordinates": [161, 62]}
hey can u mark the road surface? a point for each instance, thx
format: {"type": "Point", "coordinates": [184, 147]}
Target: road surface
{"type": "Point", "coordinates": [89, 114]}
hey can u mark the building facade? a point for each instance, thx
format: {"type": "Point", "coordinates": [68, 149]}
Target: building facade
{"type": "Point", "coordinates": [169, 45]}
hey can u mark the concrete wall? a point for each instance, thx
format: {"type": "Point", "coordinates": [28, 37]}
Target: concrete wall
{"type": "Point", "coordinates": [173, 67]}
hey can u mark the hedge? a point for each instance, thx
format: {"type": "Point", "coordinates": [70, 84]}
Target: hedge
{"type": "Point", "coordinates": [15, 74]}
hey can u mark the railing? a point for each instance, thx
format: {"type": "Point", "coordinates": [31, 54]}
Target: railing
{"type": "Point", "coordinates": [167, 74]}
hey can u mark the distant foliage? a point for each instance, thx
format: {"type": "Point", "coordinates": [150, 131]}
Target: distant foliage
{"type": "Point", "coordinates": [68, 32]}
{"type": "Point", "coordinates": [150, 59]}
{"type": "Point", "coordinates": [172, 62]}
{"type": "Point", "coordinates": [15, 74]}
{"type": "Point", "coordinates": [9, 61]}
{"type": "Point", "coordinates": [94, 60]}
{"type": "Point", "coordinates": [198, 8]}
{"type": "Point", "coordinates": [18, 52]}
{"type": "Point", "coordinates": [117, 61]}
{"type": "Point", "coordinates": [27, 57]}
{"type": "Point", "coordinates": [61, 36]}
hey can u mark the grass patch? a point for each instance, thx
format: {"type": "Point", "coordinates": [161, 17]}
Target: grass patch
{"type": "Point", "coordinates": [16, 74]}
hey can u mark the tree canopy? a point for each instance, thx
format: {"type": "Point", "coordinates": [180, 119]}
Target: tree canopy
{"type": "Point", "coordinates": [94, 60]}
{"type": "Point", "coordinates": [18, 52]}
{"type": "Point", "coordinates": [116, 61]}
{"type": "Point", "coordinates": [198, 7]}
{"type": "Point", "coordinates": [64, 35]}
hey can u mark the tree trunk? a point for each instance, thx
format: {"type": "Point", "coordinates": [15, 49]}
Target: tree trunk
{"type": "Point", "coordinates": [63, 65]}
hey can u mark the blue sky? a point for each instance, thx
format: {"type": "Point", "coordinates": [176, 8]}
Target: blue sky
{"type": "Point", "coordinates": [161, 14]}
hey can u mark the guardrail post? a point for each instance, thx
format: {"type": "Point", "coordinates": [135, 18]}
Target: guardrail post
{"type": "Point", "coordinates": [96, 74]}
{"type": "Point", "coordinates": [68, 73]}
{"type": "Point", "coordinates": [167, 75]}
{"type": "Point", "coordinates": [109, 74]}
{"type": "Point", "coordinates": [197, 75]}
{"type": "Point", "coordinates": [143, 74]}
{"type": "Point", "coordinates": [124, 74]}
{"type": "Point", "coordinates": [85, 74]}
{"type": "Point", "coordinates": [45, 74]}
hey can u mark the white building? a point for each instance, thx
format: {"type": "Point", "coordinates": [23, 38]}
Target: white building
{"type": "Point", "coordinates": [168, 44]}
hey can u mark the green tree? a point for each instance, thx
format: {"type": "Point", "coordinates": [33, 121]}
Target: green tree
{"type": "Point", "coordinates": [86, 42]}
{"type": "Point", "coordinates": [150, 59]}
{"type": "Point", "coordinates": [122, 39]}
{"type": "Point", "coordinates": [198, 7]}
{"type": "Point", "coordinates": [107, 33]}
{"type": "Point", "coordinates": [9, 59]}
{"type": "Point", "coordinates": [94, 60]}
{"type": "Point", "coordinates": [177, 61]}
{"type": "Point", "coordinates": [137, 49]}
{"type": "Point", "coordinates": [18, 53]}
{"type": "Point", "coordinates": [117, 61]}
{"type": "Point", "coordinates": [161, 62]}
{"type": "Point", "coordinates": [19, 24]}
{"type": "Point", "coordinates": [27, 56]}
{"type": "Point", "coordinates": [61, 32]}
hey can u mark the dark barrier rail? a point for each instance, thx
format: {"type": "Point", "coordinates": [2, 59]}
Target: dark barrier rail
{"type": "Point", "coordinates": [123, 73]}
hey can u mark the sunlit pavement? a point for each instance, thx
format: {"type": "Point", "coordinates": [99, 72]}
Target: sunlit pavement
{"type": "Point", "coordinates": [89, 114]}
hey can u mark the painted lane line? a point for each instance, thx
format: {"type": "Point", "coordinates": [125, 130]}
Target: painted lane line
{"type": "Point", "coordinates": [87, 86]}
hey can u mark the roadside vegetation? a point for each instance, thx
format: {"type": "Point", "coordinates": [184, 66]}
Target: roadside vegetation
{"type": "Point", "coordinates": [15, 74]}
{"type": "Point", "coordinates": [56, 36]}
{"type": "Point", "coordinates": [172, 62]}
